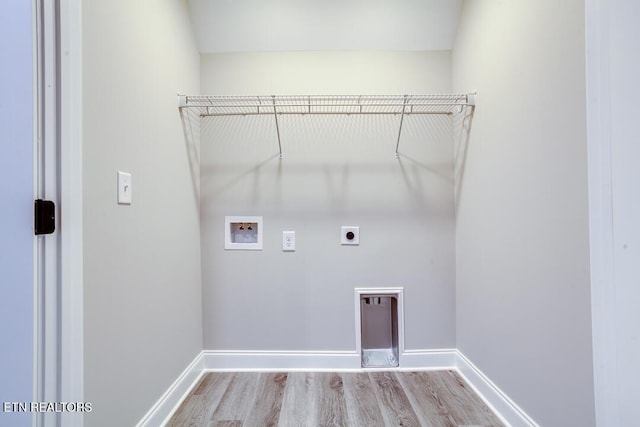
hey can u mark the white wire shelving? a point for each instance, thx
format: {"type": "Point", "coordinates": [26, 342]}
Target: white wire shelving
{"type": "Point", "coordinates": [277, 105]}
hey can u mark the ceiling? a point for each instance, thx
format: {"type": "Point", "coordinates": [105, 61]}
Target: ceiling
{"type": "Point", "coordinates": [320, 25]}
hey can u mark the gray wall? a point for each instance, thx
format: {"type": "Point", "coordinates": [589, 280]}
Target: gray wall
{"type": "Point", "coordinates": [336, 171]}
{"type": "Point", "coordinates": [294, 26]}
{"type": "Point", "coordinates": [143, 323]}
{"type": "Point", "coordinates": [16, 210]}
{"type": "Point", "coordinates": [625, 87]}
{"type": "Point", "coordinates": [522, 248]}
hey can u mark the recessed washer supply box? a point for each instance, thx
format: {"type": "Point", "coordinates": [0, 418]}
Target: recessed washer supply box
{"type": "Point", "coordinates": [243, 233]}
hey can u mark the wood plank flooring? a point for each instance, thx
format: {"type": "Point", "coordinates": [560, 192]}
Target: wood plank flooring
{"type": "Point", "coordinates": [369, 399]}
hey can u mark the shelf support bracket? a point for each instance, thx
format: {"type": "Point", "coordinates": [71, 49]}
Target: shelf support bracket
{"type": "Point", "coordinates": [404, 106]}
{"type": "Point", "coordinates": [275, 116]}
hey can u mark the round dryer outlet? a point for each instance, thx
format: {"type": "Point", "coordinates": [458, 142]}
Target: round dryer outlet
{"type": "Point", "coordinates": [349, 235]}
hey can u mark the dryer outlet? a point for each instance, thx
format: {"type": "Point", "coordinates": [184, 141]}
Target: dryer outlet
{"type": "Point", "coordinates": [350, 235]}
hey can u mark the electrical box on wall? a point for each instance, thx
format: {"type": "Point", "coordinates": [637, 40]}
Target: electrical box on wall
{"type": "Point", "coordinates": [243, 232]}
{"type": "Point", "coordinates": [124, 188]}
{"type": "Point", "coordinates": [288, 241]}
{"type": "Point", "coordinates": [349, 235]}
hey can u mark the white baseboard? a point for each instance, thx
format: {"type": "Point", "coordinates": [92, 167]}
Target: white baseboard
{"type": "Point", "coordinates": [225, 360]}
{"type": "Point", "coordinates": [229, 360]}
{"type": "Point", "coordinates": [159, 414]}
{"type": "Point", "coordinates": [428, 359]}
{"type": "Point", "coordinates": [501, 404]}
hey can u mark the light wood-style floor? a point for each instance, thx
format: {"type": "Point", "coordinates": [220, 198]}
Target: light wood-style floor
{"type": "Point", "coordinates": [368, 399]}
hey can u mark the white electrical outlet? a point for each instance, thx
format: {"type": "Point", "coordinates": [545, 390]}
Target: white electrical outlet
{"type": "Point", "coordinates": [124, 188]}
{"type": "Point", "coordinates": [288, 241]}
{"type": "Point", "coordinates": [349, 235]}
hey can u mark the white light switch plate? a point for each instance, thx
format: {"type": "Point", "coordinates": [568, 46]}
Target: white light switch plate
{"type": "Point", "coordinates": [288, 241]}
{"type": "Point", "coordinates": [124, 188]}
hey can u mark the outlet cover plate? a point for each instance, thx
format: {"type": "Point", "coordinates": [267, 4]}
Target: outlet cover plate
{"type": "Point", "coordinates": [288, 241]}
{"type": "Point", "coordinates": [349, 235]}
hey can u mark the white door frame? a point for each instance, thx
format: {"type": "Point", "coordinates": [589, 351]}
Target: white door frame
{"type": "Point", "coordinates": [599, 146]}
{"type": "Point", "coordinates": [47, 312]}
{"type": "Point", "coordinates": [71, 202]}
{"type": "Point", "coordinates": [58, 169]}
{"type": "Point", "coordinates": [46, 187]}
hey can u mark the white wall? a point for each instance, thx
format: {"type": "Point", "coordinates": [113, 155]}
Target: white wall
{"type": "Point", "coordinates": [16, 209]}
{"type": "Point", "coordinates": [336, 171]}
{"type": "Point", "coordinates": [294, 25]}
{"type": "Point", "coordinates": [623, 58]}
{"type": "Point", "coordinates": [143, 323]}
{"type": "Point", "coordinates": [612, 67]}
{"type": "Point", "coordinates": [522, 248]}
{"type": "Point", "coordinates": [334, 73]}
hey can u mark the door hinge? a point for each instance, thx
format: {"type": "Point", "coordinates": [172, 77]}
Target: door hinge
{"type": "Point", "coordinates": [45, 217]}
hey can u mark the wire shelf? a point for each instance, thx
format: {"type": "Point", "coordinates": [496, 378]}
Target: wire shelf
{"type": "Point", "coordinates": [276, 105]}
{"type": "Point", "coordinates": [326, 104]}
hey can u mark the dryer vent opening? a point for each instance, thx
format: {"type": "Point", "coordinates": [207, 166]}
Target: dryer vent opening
{"type": "Point", "coordinates": [379, 331]}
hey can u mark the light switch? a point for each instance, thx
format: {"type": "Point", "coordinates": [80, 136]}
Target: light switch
{"type": "Point", "coordinates": [124, 188]}
{"type": "Point", "coordinates": [288, 241]}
